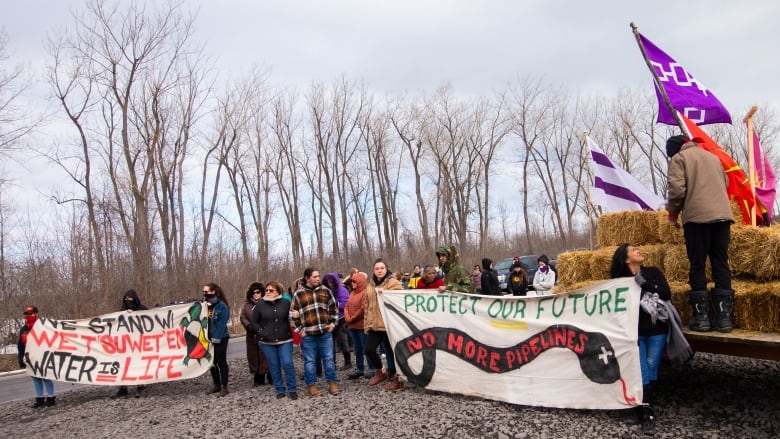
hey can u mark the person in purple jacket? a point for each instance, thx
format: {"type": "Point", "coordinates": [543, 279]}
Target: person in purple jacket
{"type": "Point", "coordinates": [340, 334]}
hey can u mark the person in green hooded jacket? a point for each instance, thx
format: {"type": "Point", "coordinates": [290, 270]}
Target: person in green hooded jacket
{"type": "Point", "coordinates": [456, 277]}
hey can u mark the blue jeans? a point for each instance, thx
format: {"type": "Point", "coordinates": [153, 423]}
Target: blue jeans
{"type": "Point", "coordinates": [39, 383]}
{"type": "Point", "coordinates": [651, 350]}
{"type": "Point", "coordinates": [280, 359]}
{"type": "Point", "coordinates": [359, 344]}
{"type": "Point", "coordinates": [312, 346]}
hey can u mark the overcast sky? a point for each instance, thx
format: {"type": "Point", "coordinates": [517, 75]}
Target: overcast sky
{"type": "Point", "coordinates": [477, 46]}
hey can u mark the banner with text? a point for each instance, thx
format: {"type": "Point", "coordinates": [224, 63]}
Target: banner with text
{"type": "Point", "coordinates": [122, 348]}
{"type": "Point", "coordinates": [571, 350]}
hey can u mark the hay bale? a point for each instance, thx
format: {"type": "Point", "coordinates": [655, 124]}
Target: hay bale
{"type": "Point", "coordinates": [768, 264]}
{"type": "Point", "coordinates": [573, 267]}
{"type": "Point", "coordinates": [676, 265]}
{"type": "Point", "coordinates": [757, 305]}
{"type": "Point", "coordinates": [667, 232]}
{"type": "Point", "coordinates": [746, 249]}
{"type": "Point", "coordinates": [637, 227]}
{"type": "Point", "coordinates": [654, 255]}
{"type": "Point", "coordinates": [600, 261]}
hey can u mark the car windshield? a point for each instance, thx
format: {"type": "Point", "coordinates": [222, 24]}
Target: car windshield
{"type": "Point", "coordinates": [529, 261]}
{"type": "Point", "coordinates": [503, 264]}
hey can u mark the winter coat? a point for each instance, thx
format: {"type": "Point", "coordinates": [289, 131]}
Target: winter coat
{"type": "Point", "coordinates": [340, 293]}
{"type": "Point", "coordinates": [271, 321]}
{"type": "Point", "coordinates": [373, 317]}
{"type": "Point", "coordinates": [354, 312]}
{"type": "Point", "coordinates": [697, 186]}
{"type": "Point", "coordinates": [219, 314]}
{"type": "Point", "coordinates": [456, 277]}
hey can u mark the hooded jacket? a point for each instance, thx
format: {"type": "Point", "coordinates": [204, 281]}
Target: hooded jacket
{"type": "Point", "coordinates": [340, 293]}
{"type": "Point", "coordinates": [354, 311]}
{"type": "Point", "coordinates": [456, 277]}
{"type": "Point", "coordinates": [131, 293]}
{"type": "Point", "coordinates": [490, 285]}
{"type": "Point", "coordinates": [697, 186]}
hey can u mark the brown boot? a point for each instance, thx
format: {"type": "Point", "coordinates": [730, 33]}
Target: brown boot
{"type": "Point", "coordinates": [314, 391]}
{"type": "Point", "coordinates": [394, 384]}
{"type": "Point", "coordinates": [378, 377]}
{"type": "Point", "coordinates": [333, 388]}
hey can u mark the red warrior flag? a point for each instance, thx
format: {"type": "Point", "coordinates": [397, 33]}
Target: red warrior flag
{"type": "Point", "coordinates": [739, 185]}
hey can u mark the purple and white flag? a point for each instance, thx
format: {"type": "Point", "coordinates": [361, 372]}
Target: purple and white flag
{"type": "Point", "coordinates": [686, 94]}
{"type": "Point", "coordinates": [614, 189]}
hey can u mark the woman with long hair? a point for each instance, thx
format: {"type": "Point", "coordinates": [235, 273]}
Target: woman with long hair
{"type": "Point", "coordinates": [219, 314]}
{"type": "Point", "coordinates": [374, 326]}
{"type": "Point", "coordinates": [627, 261]}
{"type": "Point", "coordinates": [258, 366]}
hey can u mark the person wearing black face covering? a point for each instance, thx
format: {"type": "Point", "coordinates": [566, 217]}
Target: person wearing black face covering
{"type": "Point", "coordinates": [130, 302]}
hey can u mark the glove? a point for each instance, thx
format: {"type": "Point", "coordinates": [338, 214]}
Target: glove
{"type": "Point", "coordinates": [639, 279]}
{"type": "Point", "coordinates": [672, 218]}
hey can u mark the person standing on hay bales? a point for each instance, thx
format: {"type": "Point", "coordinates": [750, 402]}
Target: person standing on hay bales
{"type": "Point", "coordinates": [697, 187]}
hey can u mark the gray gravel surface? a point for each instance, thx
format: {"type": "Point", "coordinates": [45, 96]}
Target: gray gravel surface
{"type": "Point", "coordinates": [713, 396]}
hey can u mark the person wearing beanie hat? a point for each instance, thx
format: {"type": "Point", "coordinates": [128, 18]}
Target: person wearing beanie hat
{"type": "Point", "coordinates": [30, 317]}
{"type": "Point", "coordinates": [697, 190]}
{"type": "Point", "coordinates": [489, 279]}
{"type": "Point", "coordinates": [674, 143]}
{"type": "Point", "coordinates": [258, 365]}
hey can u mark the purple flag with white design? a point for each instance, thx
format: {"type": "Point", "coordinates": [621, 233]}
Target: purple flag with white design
{"type": "Point", "coordinates": [616, 190]}
{"type": "Point", "coordinates": [686, 94]}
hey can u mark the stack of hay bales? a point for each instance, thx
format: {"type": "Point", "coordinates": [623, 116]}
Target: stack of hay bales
{"type": "Point", "coordinates": [754, 257]}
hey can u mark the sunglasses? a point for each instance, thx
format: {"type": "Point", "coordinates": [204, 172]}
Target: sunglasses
{"type": "Point", "coordinates": [28, 313]}
{"type": "Point", "coordinates": [270, 290]}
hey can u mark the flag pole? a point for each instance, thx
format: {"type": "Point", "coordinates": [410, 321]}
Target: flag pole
{"type": "Point", "coordinates": [587, 194]}
{"type": "Point", "coordinates": [752, 176]}
{"type": "Point", "coordinates": [657, 81]}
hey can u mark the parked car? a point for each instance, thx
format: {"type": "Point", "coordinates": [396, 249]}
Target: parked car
{"type": "Point", "coordinates": [504, 266]}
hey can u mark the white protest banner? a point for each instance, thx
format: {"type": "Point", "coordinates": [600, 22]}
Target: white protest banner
{"type": "Point", "coordinates": [122, 348]}
{"type": "Point", "coordinates": [571, 350]}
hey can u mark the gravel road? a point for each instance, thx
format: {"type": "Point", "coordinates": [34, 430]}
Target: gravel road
{"type": "Point", "coordinates": [713, 396]}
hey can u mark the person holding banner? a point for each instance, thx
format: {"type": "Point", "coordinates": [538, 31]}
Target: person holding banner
{"type": "Point", "coordinates": [258, 366]}
{"type": "Point", "coordinates": [430, 279]}
{"type": "Point", "coordinates": [30, 317]}
{"type": "Point", "coordinates": [653, 328]}
{"type": "Point", "coordinates": [219, 314]}
{"type": "Point", "coordinates": [374, 325]}
{"type": "Point", "coordinates": [271, 325]}
{"type": "Point", "coordinates": [130, 302]}
{"type": "Point", "coordinates": [698, 188]}
{"type": "Point", "coordinates": [316, 320]}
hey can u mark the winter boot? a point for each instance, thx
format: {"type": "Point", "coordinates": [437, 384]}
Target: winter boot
{"type": "Point", "coordinates": [699, 320]}
{"type": "Point", "coordinates": [723, 304]}
{"type": "Point", "coordinates": [121, 392]}
{"type": "Point", "coordinates": [333, 388]}
{"type": "Point", "coordinates": [394, 384]}
{"type": "Point", "coordinates": [214, 389]}
{"type": "Point", "coordinates": [259, 379]}
{"type": "Point", "coordinates": [51, 401]}
{"type": "Point", "coordinates": [139, 391]}
{"type": "Point", "coordinates": [223, 391]}
{"type": "Point", "coordinates": [39, 402]}
{"type": "Point", "coordinates": [314, 391]}
{"type": "Point", "coordinates": [378, 377]}
{"type": "Point", "coordinates": [648, 420]}
{"type": "Point", "coordinates": [347, 361]}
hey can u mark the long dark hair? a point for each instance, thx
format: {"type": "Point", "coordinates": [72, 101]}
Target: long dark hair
{"type": "Point", "coordinates": [619, 267]}
{"type": "Point", "coordinates": [218, 291]}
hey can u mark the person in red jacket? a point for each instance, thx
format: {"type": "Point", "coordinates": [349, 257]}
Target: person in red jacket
{"type": "Point", "coordinates": [430, 279]}
{"type": "Point", "coordinates": [354, 313]}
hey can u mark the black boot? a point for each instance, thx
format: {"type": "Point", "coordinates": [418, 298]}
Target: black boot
{"type": "Point", "coordinates": [51, 401]}
{"type": "Point", "coordinates": [347, 361]}
{"type": "Point", "coordinates": [723, 304]}
{"type": "Point", "coordinates": [648, 420]}
{"type": "Point", "coordinates": [699, 320]}
{"type": "Point", "coordinates": [121, 392]}
{"type": "Point", "coordinates": [39, 402]}
{"type": "Point", "coordinates": [214, 389]}
{"type": "Point", "coordinates": [259, 379]}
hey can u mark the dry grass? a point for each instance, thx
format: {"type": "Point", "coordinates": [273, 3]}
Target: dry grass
{"type": "Point", "coordinates": [8, 362]}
